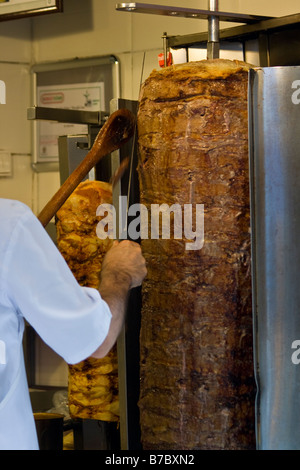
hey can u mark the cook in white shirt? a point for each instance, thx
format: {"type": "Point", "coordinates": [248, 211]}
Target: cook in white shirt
{"type": "Point", "coordinates": [36, 284]}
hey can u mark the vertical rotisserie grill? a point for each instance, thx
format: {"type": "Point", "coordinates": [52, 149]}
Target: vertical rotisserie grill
{"type": "Point", "coordinates": [197, 384]}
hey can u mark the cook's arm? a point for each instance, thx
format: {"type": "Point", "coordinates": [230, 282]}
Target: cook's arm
{"type": "Point", "coordinates": [123, 268]}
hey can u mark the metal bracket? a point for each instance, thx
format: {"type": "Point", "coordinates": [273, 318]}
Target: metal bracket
{"type": "Point", "coordinates": [213, 15]}
{"type": "Point", "coordinates": [93, 119]}
{"type": "Point", "coordinates": [67, 115]}
{"type": "Point", "coordinates": [188, 12]}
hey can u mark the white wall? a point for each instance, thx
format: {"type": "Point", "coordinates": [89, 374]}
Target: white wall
{"type": "Point", "coordinates": [15, 57]}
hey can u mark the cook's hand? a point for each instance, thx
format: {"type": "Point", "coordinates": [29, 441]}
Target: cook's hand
{"type": "Point", "coordinates": [123, 267]}
{"type": "Point", "coordinates": [124, 261]}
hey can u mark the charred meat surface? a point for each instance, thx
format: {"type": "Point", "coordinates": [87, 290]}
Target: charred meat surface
{"type": "Point", "coordinates": [197, 380]}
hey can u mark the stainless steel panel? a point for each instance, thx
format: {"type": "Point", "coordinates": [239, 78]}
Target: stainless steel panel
{"type": "Point", "coordinates": [274, 116]}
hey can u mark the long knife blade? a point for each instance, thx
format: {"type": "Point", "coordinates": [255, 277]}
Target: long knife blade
{"type": "Point", "coordinates": [134, 142]}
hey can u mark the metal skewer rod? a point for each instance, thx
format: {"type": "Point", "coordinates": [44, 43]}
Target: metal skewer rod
{"type": "Point", "coordinates": [165, 48]}
{"type": "Point", "coordinates": [213, 45]}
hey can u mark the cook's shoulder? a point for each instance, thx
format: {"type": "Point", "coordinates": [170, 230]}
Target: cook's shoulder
{"type": "Point", "coordinates": [11, 209]}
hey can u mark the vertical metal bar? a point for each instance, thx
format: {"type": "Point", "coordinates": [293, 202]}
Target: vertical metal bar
{"type": "Point", "coordinates": [116, 79]}
{"type": "Point", "coordinates": [251, 112]}
{"type": "Point", "coordinates": [264, 50]}
{"type": "Point", "coordinates": [165, 48]}
{"type": "Point", "coordinates": [213, 45]}
{"type": "Point", "coordinates": [121, 342]}
{"type": "Point", "coordinates": [128, 341]}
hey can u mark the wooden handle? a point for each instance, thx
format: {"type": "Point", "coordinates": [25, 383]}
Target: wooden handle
{"type": "Point", "coordinates": [117, 130]}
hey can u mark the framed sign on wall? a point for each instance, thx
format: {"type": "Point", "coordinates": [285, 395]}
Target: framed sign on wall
{"type": "Point", "coordinates": [12, 9]}
{"type": "Point", "coordinates": [85, 85]}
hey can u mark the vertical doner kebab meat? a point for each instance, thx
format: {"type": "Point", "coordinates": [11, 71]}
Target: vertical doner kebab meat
{"type": "Point", "coordinates": [93, 383]}
{"type": "Point", "coordinates": [197, 383]}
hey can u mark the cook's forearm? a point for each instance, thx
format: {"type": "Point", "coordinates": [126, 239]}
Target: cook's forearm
{"type": "Point", "coordinates": [114, 290]}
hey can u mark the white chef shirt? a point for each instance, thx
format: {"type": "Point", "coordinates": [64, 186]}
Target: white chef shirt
{"type": "Point", "coordinates": [37, 284]}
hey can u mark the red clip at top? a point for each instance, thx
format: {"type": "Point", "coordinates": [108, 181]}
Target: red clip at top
{"type": "Point", "coordinates": [161, 59]}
